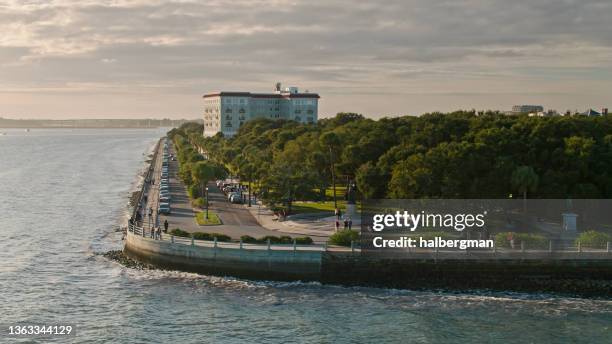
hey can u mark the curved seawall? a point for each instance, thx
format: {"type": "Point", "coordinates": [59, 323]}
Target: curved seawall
{"type": "Point", "coordinates": [255, 263]}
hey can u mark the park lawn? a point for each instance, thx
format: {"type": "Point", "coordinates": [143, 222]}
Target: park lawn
{"type": "Point", "coordinates": [315, 207]}
{"type": "Point", "coordinates": [213, 218]}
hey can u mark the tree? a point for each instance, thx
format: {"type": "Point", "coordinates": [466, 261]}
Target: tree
{"type": "Point", "coordinates": [203, 172]}
{"type": "Point", "coordinates": [332, 142]}
{"type": "Point", "coordinates": [525, 179]}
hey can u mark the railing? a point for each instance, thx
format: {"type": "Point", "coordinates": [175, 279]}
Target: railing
{"type": "Point", "coordinates": [157, 234]}
{"type": "Point", "coordinates": [147, 178]}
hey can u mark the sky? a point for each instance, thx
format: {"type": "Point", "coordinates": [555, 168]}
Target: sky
{"type": "Point", "coordinates": [120, 58]}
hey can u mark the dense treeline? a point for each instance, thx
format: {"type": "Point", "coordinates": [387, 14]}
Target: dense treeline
{"type": "Point", "coordinates": [455, 155]}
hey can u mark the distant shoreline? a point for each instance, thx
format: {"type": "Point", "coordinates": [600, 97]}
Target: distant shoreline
{"type": "Point", "coordinates": [128, 123]}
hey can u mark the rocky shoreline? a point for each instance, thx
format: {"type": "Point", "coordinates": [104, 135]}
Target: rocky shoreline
{"type": "Point", "coordinates": [120, 257]}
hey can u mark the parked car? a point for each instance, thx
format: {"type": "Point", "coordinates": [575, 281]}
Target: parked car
{"type": "Point", "coordinates": [164, 199]}
{"type": "Point", "coordinates": [164, 208]}
{"type": "Point", "coordinates": [236, 198]}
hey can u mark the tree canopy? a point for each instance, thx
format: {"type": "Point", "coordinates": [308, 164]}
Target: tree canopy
{"type": "Point", "coordinates": [461, 154]}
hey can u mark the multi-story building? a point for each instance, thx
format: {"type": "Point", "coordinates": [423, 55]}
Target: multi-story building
{"type": "Point", "coordinates": [518, 109]}
{"type": "Point", "coordinates": [226, 111]}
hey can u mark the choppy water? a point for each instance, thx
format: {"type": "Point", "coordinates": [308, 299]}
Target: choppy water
{"type": "Point", "coordinates": [62, 194]}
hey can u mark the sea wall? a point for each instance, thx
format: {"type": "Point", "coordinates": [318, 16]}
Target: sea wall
{"type": "Point", "coordinates": [583, 277]}
{"type": "Point", "coordinates": [286, 265]}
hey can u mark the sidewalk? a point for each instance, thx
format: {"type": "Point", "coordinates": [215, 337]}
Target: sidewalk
{"type": "Point", "coordinates": [322, 227]}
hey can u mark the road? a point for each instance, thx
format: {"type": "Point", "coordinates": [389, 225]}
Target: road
{"type": "Point", "coordinates": [236, 218]}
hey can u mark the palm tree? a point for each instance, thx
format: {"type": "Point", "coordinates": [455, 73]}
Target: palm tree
{"type": "Point", "coordinates": [525, 179]}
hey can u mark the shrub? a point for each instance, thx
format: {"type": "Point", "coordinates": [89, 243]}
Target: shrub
{"type": "Point", "coordinates": [273, 239]}
{"type": "Point", "coordinates": [199, 202]}
{"type": "Point", "coordinates": [344, 237]}
{"type": "Point", "coordinates": [303, 241]}
{"type": "Point", "coordinates": [202, 236]}
{"type": "Point", "coordinates": [247, 239]}
{"type": "Point", "coordinates": [221, 237]}
{"type": "Point", "coordinates": [180, 233]}
{"type": "Point", "coordinates": [531, 240]}
{"type": "Point", "coordinates": [211, 236]}
{"type": "Point", "coordinates": [593, 239]}
{"type": "Point", "coordinates": [285, 239]}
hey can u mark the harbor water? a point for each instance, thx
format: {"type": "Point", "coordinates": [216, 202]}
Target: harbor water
{"type": "Point", "coordinates": [63, 195]}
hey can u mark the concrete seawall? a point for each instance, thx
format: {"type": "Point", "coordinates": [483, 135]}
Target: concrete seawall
{"type": "Point", "coordinates": [286, 265]}
{"type": "Point", "coordinates": [584, 277]}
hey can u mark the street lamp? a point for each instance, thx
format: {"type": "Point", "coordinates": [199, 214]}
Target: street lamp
{"type": "Point", "coordinates": [207, 202]}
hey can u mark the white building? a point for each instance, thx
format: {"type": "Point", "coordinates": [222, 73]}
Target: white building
{"type": "Point", "coordinates": [226, 111]}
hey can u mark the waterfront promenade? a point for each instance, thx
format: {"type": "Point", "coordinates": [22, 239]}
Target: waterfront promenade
{"type": "Point", "coordinates": [236, 219]}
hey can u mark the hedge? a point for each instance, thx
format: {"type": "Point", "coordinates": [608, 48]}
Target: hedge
{"type": "Point", "coordinates": [344, 237]}
{"type": "Point", "coordinates": [531, 240]}
{"type": "Point", "coordinates": [593, 239]}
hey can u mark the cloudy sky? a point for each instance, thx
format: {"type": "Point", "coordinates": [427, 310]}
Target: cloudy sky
{"type": "Point", "coordinates": [121, 58]}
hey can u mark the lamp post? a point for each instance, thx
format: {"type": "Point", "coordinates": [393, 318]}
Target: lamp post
{"type": "Point", "coordinates": [207, 202]}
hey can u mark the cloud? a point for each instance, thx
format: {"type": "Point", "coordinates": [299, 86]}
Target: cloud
{"type": "Point", "coordinates": [191, 47]}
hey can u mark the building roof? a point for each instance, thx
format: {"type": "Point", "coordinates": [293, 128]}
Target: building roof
{"type": "Point", "coordinates": [591, 112]}
{"type": "Point", "coordinates": [261, 95]}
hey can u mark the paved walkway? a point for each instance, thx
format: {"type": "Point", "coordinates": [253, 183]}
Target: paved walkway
{"type": "Point", "coordinates": [237, 220]}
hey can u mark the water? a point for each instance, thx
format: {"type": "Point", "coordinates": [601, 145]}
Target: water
{"type": "Point", "coordinates": [63, 193]}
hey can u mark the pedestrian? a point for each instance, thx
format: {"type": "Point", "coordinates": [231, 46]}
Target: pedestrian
{"type": "Point", "coordinates": [166, 226]}
{"type": "Point", "coordinates": [336, 212]}
{"type": "Point", "coordinates": [339, 214]}
{"type": "Point", "coordinates": [345, 223]}
{"type": "Point", "coordinates": [511, 239]}
{"type": "Point", "coordinates": [350, 223]}
{"type": "Point", "coordinates": [337, 225]}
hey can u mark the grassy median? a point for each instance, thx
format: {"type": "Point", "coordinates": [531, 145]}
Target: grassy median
{"type": "Point", "coordinates": [213, 218]}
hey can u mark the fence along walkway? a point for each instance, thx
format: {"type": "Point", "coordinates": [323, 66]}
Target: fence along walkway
{"type": "Point", "coordinates": [521, 253]}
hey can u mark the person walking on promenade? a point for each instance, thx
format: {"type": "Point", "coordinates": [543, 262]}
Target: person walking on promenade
{"type": "Point", "coordinates": [336, 213]}
{"type": "Point", "coordinates": [350, 224]}
{"type": "Point", "coordinates": [345, 223]}
{"type": "Point", "coordinates": [165, 226]}
{"type": "Point", "coordinates": [337, 225]}
{"type": "Point", "coordinates": [511, 240]}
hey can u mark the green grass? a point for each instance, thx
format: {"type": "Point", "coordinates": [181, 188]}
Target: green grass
{"type": "Point", "coordinates": [303, 207]}
{"type": "Point", "coordinates": [213, 218]}
{"type": "Point", "coordinates": [315, 207]}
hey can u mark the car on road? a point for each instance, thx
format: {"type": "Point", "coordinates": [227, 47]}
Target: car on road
{"type": "Point", "coordinates": [164, 208]}
{"type": "Point", "coordinates": [236, 198]}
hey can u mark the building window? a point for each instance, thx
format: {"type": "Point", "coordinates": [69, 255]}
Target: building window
{"type": "Point", "coordinates": [310, 112]}
{"type": "Point", "coordinates": [298, 111]}
{"type": "Point", "coordinates": [241, 111]}
{"type": "Point", "coordinates": [297, 118]}
{"type": "Point", "coordinates": [310, 119]}
{"type": "Point", "coordinates": [228, 110]}
{"type": "Point", "coordinates": [228, 124]}
{"type": "Point", "coordinates": [228, 117]}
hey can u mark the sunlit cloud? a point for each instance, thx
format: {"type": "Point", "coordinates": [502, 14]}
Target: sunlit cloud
{"type": "Point", "coordinates": [391, 48]}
